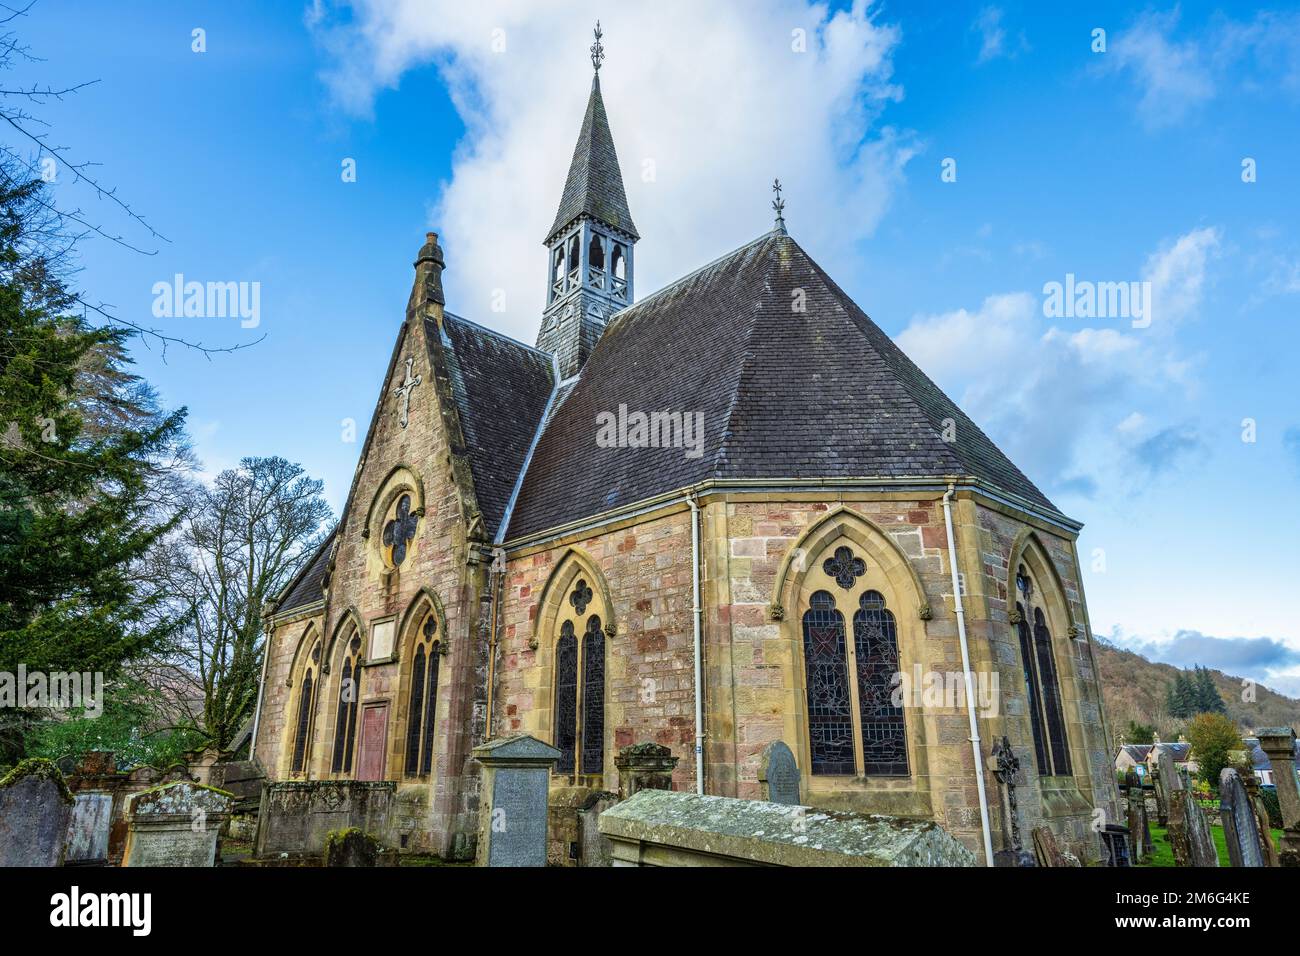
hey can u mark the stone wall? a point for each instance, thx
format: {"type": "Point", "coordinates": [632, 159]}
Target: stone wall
{"type": "Point", "coordinates": [645, 569]}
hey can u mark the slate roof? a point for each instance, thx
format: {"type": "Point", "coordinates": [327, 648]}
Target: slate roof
{"type": "Point", "coordinates": [1180, 752]}
{"type": "Point", "coordinates": [595, 184]}
{"type": "Point", "coordinates": [501, 388]}
{"type": "Point", "coordinates": [1137, 752]}
{"type": "Point", "coordinates": [822, 393]}
{"type": "Point", "coordinates": [306, 588]}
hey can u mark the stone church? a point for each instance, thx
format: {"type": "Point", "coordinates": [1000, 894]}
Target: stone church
{"type": "Point", "coordinates": [729, 513]}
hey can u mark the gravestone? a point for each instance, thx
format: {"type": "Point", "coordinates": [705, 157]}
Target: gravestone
{"type": "Point", "coordinates": [1239, 829]}
{"type": "Point", "coordinates": [1006, 769]}
{"type": "Point", "coordinates": [1189, 831]}
{"type": "Point", "coordinates": [176, 824]}
{"type": "Point", "coordinates": [1139, 833]}
{"type": "Point", "coordinates": [1260, 811]}
{"type": "Point", "coordinates": [1279, 744]}
{"type": "Point", "coordinates": [88, 829]}
{"type": "Point", "coordinates": [1162, 798]}
{"type": "Point", "coordinates": [513, 802]}
{"type": "Point", "coordinates": [352, 847]}
{"type": "Point", "coordinates": [35, 807]}
{"type": "Point", "coordinates": [1047, 852]}
{"type": "Point", "coordinates": [644, 766]}
{"type": "Point", "coordinates": [779, 775]}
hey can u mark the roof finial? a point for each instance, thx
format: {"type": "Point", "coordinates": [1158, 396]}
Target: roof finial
{"type": "Point", "coordinates": [779, 205]}
{"type": "Point", "coordinates": [597, 51]}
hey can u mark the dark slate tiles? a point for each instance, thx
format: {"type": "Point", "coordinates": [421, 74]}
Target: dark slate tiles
{"type": "Point", "coordinates": [501, 388]}
{"type": "Point", "coordinates": [595, 184]}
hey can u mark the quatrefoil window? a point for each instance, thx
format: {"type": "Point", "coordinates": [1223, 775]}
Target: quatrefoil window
{"type": "Point", "coordinates": [581, 596]}
{"type": "Point", "coordinates": [844, 567]}
{"type": "Point", "coordinates": [400, 530]}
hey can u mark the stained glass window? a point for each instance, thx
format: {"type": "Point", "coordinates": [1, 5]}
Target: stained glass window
{"type": "Point", "coordinates": [414, 715]}
{"type": "Point", "coordinates": [844, 567]}
{"type": "Point", "coordinates": [593, 697]}
{"type": "Point", "coordinates": [1051, 695]}
{"type": "Point", "coordinates": [566, 697]}
{"type": "Point", "coordinates": [430, 700]}
{"type": "Point", "coordinates": [1032, 695]}
{"type": "Point", "coordinates": [1043, 689]}
{"type": "Point", "coordinates": [884, 735]}
{"type": "Point", "coordinates": [581, 596]}
{"type": "Point", "coordinates": [304, 723]}
{"type": "Point", "coordinates": [422, 699]}
{"type": "Point", "coordinates": [400, 530]}
{"type": "Point", "coordinates": [345, 722]}
{"type": "Point", "coordinates": [830, 719]}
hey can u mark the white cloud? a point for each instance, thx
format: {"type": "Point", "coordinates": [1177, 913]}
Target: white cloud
{"type": "Point", "coordinates": [1177, 273]}
{"type": "Point", "coordinates": [1177, 76]}
{"type": "Point", "coordinates": [993, 36]}
{"type": "Point", "coordinates": [707, 103]}
{"type": "Point", "coordinates": [1050, 396]}
{"type": "Point", "coordinates": [1173, 77]}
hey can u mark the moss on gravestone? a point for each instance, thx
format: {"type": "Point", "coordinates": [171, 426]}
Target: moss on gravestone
{"type": "Point", "coordinates": [42, 769]}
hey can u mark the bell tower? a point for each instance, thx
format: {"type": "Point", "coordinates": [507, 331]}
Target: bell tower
{"type": "Point", "coordinates": [589, 248]}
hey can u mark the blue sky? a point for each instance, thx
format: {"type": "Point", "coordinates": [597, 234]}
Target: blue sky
{"type": "Point", "coordinates": [1115, 166]}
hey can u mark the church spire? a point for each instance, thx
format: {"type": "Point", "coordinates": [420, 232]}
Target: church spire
{"type": "Point", "coordinates": [590, 242]}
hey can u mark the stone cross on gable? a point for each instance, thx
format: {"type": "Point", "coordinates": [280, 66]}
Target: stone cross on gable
{"type": "Point", "coordinates": [404, 390]}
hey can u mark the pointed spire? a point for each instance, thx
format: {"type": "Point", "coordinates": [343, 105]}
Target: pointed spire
{"type": "Point", "coordinates": [778, 204]}
{"type": "Point", "coordinates": [595, 184]}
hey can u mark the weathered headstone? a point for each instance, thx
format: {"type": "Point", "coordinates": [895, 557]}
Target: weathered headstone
{"type": "Point", "coordinates": [176, 824]}
{"type": "Point", "coordinates": [1189, 831]}
{"type": "Point", "coordinates": [513, 805]}
{"type": "Point", "coordinates": [1239, 829]}
{"type": "Point", "coordinates": [1047, 851]}
{"type": "Point", "coordinates": [644, 766]}
{"type": "Point", "coordinates": [1138, 831]}
{"type": "Point", "coordinates": [92, 817]}
{"type": "Point", "coordinates": [351, 847]}
{"type": "Point", "coordinates": [779, 775]}
{"type": "Point", "coordinates": [1006, 769]}
{"type": "Point", "coordinates": [1279, 744]}
{"type": "Point", "coordinates": [1267, 848]}
{"type": "Point", "coordinates": [1162, 797]}
{"type": "Point", "coordinates": [35, 806]}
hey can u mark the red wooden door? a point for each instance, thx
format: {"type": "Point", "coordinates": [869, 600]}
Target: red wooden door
{"type": "Point", "coordinates": [374, 742]}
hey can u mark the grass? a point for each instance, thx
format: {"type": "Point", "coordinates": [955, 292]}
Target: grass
{"type": "Point", "coordinates": [1162, 854]}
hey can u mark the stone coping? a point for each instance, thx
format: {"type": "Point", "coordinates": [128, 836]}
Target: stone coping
{"type": "Point", "coordinates": [759, 832]}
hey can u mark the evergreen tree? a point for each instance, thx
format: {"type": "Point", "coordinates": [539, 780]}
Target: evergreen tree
{"type": "Point", "coordinates": [1207, 695]}
{"type": "Point", "coordinates": [80, 458]}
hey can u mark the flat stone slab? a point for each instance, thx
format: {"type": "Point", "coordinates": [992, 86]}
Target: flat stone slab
{"type": "Point", "coordinates": [761, 833]}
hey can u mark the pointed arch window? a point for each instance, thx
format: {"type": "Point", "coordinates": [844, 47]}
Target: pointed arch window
{"type": "Point", "coordinates": [875, 637]}
{"type": "Point", "coordinates": [566, 697]}
{"type": "Point", "coordinates": [580, 682]}
{"type": "Point", "coordinates": [306, 710]}
{"type": "Point", "coordinates": [422, 705]}
{"type": "Point", "coordinates": [345, 724]}
{"type": "Point", "coordinates": [1042, 685]}
{"type": "Point", "coordinates": [854, 724]}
